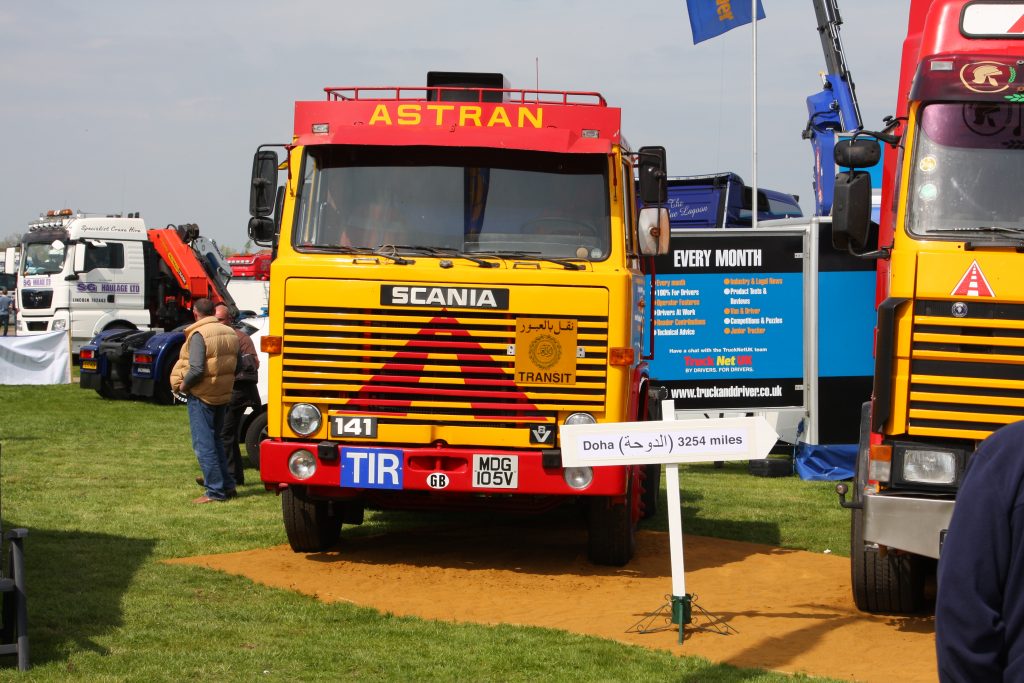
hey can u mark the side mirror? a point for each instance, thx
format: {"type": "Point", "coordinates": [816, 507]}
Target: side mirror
{"type": "Point", "coordinates": [857, 153]}
{"type": "Point", "coordinates": [653, 231]}
{"type": "Point", "coordinates": [653, 173]}
{"type": "Point", "coordinates": [851, 211]}
{"type": "Point", "coordinates": [262, 230]}
{"type": "Point", "coordinates": [264, 184]}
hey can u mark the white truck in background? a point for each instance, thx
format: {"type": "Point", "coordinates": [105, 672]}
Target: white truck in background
{"type": "Point", "coordinates": [87, 274]}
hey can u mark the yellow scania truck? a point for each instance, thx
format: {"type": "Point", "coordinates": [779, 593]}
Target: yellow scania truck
{"type": "Point", "coordinates": [456, 274]}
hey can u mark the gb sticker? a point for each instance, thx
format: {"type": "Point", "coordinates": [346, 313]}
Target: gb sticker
{"type": "Point", "coordinates": [438, 480]}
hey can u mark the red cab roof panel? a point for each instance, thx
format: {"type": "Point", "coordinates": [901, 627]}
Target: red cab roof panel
{"type": "Point", "coordinates": [549, 121]}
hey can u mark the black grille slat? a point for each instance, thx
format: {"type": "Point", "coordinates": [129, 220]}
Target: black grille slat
{"type": "Point", "coordinates": [980, 352]}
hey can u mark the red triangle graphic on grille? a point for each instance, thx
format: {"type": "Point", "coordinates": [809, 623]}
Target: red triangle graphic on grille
{"type": "Point", "coordinates": [402, 377]}
{"type": "Point", "coordinates": [973, 283]}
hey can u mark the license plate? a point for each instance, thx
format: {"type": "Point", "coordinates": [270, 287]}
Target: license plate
{"type": "Point", "coordinates": [495, 471]}
{"type": "Point", "coordinates": [88, 365]}
{"type": "Point", "coordinates": [371, 468]}
{"type": "Point", "coordinates": [359, 427]}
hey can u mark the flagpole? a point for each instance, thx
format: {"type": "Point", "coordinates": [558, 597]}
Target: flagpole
{"type": "Point", "coordinates": [753, 113]}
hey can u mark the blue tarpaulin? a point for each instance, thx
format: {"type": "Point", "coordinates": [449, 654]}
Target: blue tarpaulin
{"type": "Point", "coordinates": [821, 462]}
{"type": "Point", "coordinates": [710, 18]}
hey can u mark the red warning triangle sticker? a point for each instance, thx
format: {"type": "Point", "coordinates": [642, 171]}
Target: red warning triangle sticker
{"type": "Point", "coordinates": [973, 283]}
{"type": "Point", "coordinates": [401, 379]}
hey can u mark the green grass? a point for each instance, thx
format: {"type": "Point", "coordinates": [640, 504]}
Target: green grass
{"type": "Point", "coordinates": [104, 488]}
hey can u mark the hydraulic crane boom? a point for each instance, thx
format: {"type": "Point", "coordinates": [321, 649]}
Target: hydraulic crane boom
{"type": "Point", "coordinates": [832, 110]}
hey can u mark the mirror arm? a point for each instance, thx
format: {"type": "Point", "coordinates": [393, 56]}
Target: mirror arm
{"type": "Point", "coordinates": [883, 253]}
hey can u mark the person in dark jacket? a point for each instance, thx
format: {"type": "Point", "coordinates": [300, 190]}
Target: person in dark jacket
{"type": "Point", "coordinates": [244, 394]}
{"type": "Point", "coordinates": [979, 608]}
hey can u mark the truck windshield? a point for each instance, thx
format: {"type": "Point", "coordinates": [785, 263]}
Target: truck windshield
{"type": "Point", "coordinates": [455, 199]}
{"type": "Point", "coordinates": [43, 258]}
{"type": "Point", "coordinates": [966, 173]}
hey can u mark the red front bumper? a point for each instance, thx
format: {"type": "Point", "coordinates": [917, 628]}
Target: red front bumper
{"type": "Point", "coordinates": [417, 464]}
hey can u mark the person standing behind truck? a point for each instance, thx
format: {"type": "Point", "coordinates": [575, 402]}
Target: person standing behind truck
{"type": "Point", "coordinates": [6, 308]}
{"type": "Point", "coordinates": [244, 394]}
{"type": "Point", "coordinates": [205, 373]}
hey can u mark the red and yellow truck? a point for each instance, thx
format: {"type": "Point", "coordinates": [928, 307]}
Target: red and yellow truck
{"type": "Point", "coordinates": [950, 335]}
{"type": "Point", "coordinates": [457, 273]}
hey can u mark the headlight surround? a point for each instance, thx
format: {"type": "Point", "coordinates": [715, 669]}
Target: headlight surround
{"type": "Point", "coordinates": [578, 478]}
{"type": "Point", "coordinates": [304, 419]}
{"type": "Point", "coordinates": [927, 465]}
{"type": "Point", "coordinates": [302, 464]}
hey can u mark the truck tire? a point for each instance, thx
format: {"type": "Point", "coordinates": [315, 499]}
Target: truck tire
{"type": "Point", "coordinates": [652, 491]}
{"type": "Point", "coordinates": [162, 386]}
{"type": "Point", "coordinates": [893, 584]}
{"type": "Point", "coordinates": [611, 540]}
{"type": "Point", "coordinates": [254, 435]}
{"type": "Point", "coordinates": [113, 390]}
{"type": "Point", "coordinates": [311, 525]}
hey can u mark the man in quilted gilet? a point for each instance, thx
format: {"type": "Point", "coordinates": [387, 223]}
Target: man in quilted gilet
{"type": "Point", "coordinates": [205, 374]}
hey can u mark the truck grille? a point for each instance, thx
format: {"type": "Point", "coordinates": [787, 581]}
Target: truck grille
{"type": "Point", "coordinates": [416, 367]}
{"type": "Point", "coordinates": [967, 368]}
{"type": "Point", "coordinates": [36, 298]}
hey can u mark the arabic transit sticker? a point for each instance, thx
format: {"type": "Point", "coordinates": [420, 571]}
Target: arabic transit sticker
{"type": "Point", "coordinates": [545, 351]}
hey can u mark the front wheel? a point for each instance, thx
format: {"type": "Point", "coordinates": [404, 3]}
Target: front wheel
{"type": "Point", "coordinates": [652, 490]}
{"type": "Point", "coordinates": [311, 525]}
{"type": "Point", "coordinates": [254, 436]}
{"type": "Point", "coordinates": [893, 584]}
{"type": "Point", "coordinates": [612, 527]}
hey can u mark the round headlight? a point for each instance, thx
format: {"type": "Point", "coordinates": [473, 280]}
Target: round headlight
{"type": "Point", "coordinates": [580, 419]}
{"type": "Point", "coordinates": [578, 477]}
{"type": "Point", "coordinates": [304, 419]}
{"type": "Point", "coordinates": [302, 464]}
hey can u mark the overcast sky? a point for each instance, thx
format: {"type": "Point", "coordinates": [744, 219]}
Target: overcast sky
{"type": "Point", "coordinates": [158, 107]}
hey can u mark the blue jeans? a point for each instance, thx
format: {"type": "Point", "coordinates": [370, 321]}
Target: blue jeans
{"type": "Point", "coordinates": [206, 423]}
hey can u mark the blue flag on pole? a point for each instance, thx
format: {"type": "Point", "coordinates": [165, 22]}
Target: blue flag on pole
{"type": "Point", "coordinates": [710, 18]}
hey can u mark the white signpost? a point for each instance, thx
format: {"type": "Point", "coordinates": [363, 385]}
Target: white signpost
{"type": "Point", "coordinates": [669, 442]}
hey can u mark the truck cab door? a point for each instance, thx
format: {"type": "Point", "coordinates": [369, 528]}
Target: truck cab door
{"type": "Point", "coordinates": [109, 283]}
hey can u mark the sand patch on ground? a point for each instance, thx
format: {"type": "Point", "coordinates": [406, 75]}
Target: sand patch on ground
{"type": "Point", "coordinates": [792, 610]}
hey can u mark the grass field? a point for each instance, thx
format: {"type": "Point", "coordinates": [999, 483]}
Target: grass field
{"type": "Point", "coordinates": [104, 489]}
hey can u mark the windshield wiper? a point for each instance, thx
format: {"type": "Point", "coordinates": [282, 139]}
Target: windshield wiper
{"type": "Point", "coordinates": [447, 251]}
{"type": "Point", "coordinates": [359, 251]}
{"type": "Point", "coordinates": [998, 229]}
{"type": "Point", "coordinates": [534, 255]}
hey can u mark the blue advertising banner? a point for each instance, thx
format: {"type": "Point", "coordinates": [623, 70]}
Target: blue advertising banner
{"type": "Point", "coordinates": [710, 18]}
{"type": "Point", "coordinates": [728, 321]}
